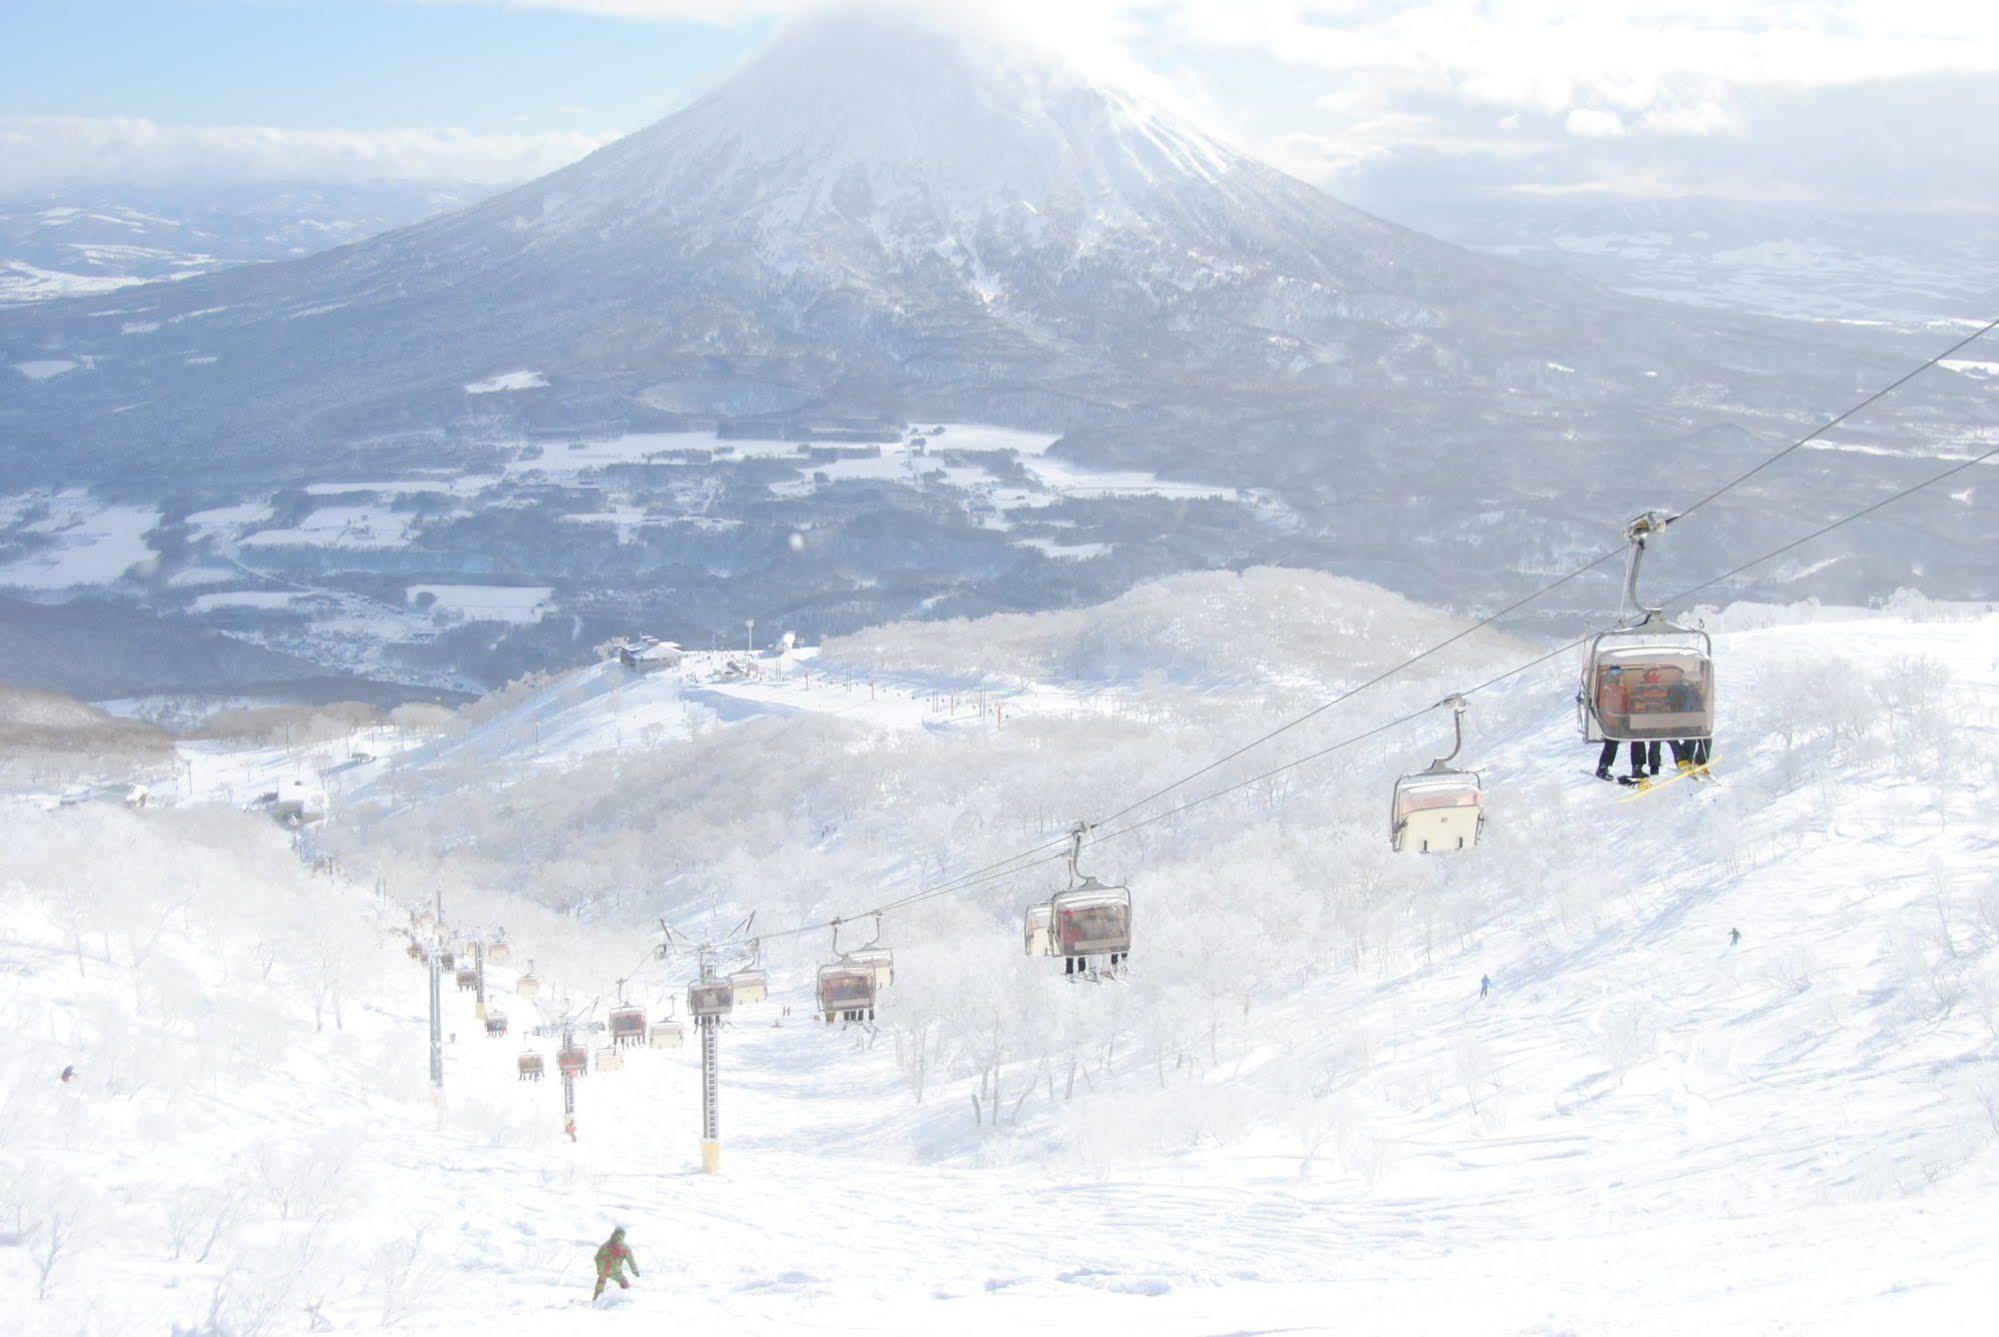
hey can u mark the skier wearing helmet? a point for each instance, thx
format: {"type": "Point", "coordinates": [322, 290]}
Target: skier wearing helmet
{"type": "Point", "coordinates": [612, 1260]}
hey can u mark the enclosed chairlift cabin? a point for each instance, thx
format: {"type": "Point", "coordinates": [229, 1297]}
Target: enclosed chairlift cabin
{"type": "Point", "coordinates": [1088, 919]}
{"type": "Point", "coordinates": [497, 951]}
{"type": "Point", "coordinates": [710, 998]}
{"type": "Point", "coordinates": [1035, 929]}
{"type": "Point", "coordinates": [751, 984]}
{"type": "Point", "coordinates": [666, 1033]}
{"type": "Point", "coordinates": [847, 991]}
{"type": "Point", "coordinates": [527, 986]}
{"type": "Point", "coordinates": [1648, 680]}
{"type": "Point", "coordinates": [874, 956]}
{"type": "Point", "coordinates": [1439, 809]}
{"type": "Point", "coordinates": [627, 1023]}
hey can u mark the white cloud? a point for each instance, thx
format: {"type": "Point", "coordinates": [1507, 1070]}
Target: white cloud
{"type": "Point", "coordinates": [1550, 55]}
{"type": "Point", "coordinates": [1593, 123]}
{"type": "Point", "coordinates": [38, 151]}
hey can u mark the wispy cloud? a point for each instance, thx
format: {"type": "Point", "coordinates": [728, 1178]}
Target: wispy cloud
{"type": "Point", "coordinates": [38, 151]}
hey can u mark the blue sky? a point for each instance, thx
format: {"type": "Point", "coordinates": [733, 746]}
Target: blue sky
{"type": "Point", "coordinates": [354, 64]}
{"type": "Point", "coordinates": [1850, 102]}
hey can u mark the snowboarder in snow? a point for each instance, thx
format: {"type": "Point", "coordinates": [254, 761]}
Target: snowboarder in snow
{"type": "Point", "coordinates": [68, 1073]}
{"type": "Point", "coordinates": [1484, 985]}
{"type": "Point", "coordinates": [1734, 937]}
{"type": "Point", "coordinates": [612, 1260]}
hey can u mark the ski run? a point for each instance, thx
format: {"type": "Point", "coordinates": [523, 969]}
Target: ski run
{"type": "Point", "coordinates": [1298, 1113]}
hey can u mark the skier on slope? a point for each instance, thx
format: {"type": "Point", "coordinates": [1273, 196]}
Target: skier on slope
{"type": "Point", "coordinates": [612, 1260]}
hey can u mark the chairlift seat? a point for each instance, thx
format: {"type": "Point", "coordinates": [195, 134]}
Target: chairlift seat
{"type": "Point", "coordinates": [498, 952]}
{"type": "Point", "coordinates": [664, 1035]}
{"type": "Point", "coordinates": [1036, 933]}
{"type": "Point", "coordinates": [496, 1024]}
{"type": "Point", "coordinates": [1436, 811]}
{"type": "Point", "coordinates": [1091, 920]}
{"type": "Point", "coordinates": [751, 986]}
{"type": "Point", "coordinates": [573, 1060]}
{"type": "Point", "coordinates": [468, 978]}
{"type": "Point", "coordinates": [627, 1025]}
{"type": "Point", "coordinates": [609, 1059]}
{"type": "Point", "coordinates": [881, 960]}
{"type": "Point", "coordinates": [710, 998]}
{"type": "Point", "coordinates": [529, 1066]}
{"type": "Point", "coordinates": [1649, 682]}
{"type": "Point", "coordinates": [527, 986]}
{"type": "Point", "coordinates": [846, 986]}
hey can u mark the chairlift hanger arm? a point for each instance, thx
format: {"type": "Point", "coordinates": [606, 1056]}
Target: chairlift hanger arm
{"type": "Point", "coordinates": [1456, 702]}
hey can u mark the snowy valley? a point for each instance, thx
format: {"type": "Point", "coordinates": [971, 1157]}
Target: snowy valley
{"type": "Point", "coordinates": [1297, 1113]}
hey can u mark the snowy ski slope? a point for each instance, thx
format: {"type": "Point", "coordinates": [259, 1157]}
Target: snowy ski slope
{"type": "Point", "coordinates": [1298, 1116]}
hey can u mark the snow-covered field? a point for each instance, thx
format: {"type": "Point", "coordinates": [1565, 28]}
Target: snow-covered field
{"type": "Point", "coordinates": [1298, 1115]}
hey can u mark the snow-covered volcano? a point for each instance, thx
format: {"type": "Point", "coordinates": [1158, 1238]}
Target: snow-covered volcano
{"type": "Point", "coordinates": [876, 216]}
{"type": "Point", "coordinates": [878, 222]}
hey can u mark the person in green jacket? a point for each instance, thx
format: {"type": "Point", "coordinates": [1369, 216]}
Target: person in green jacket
{"type": "Point", "coordinates": [612, 1260]}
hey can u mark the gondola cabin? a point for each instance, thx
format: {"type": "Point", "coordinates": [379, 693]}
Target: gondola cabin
{"type": "Point", "coordinates": [710, 998]}
{"type": "Point", "coordinates": [627, 1025]}
{"type": "Point", "coordinates": [528, 1067]}
{"type": "Point", "coordinates": [498, 952]}
{"type": "Point", "coordinates": [751, 986]}
{"type": "Point", "coordinates": [878, 959]}
{"type": "Point", "coordinates": [527, 986]}
{"type": "Point", "coordinates": [846, 989]}
{"type": "Point", "coordinates": [1648, 682]}
{"type": "Point", "coordinates": [1090, 920]}
{"type": "Point", "coordinates": [573, 1061]}
{"type": "Point", "coordinates": [1035, 930]}
{"type": "Point", "coordinates": [1435, 811]}
{"type": "Point", "coordinates": [609, 1059]}
{"type": "Point", "coordinates": [496, 1025]}
{"type": "Point", "coordinates": [664, 1035]}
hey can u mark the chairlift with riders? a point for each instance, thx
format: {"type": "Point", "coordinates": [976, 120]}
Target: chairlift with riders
{"type": "Point", "coordinates": [627, 1023]}
{"type": "Point", "coordinates": [847, 987]}
{"type": "Point", "coordinates": [1088, 919]}
{"type": "Point", "coordinates": [1648, 678]}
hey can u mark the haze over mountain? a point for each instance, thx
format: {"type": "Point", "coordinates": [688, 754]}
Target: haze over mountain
{"type": "Point", "coordinates": [85, 240]}
{"type": "Point", "coordinates": [878, 222]}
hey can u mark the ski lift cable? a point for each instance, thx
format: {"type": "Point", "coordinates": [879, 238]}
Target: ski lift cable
{"type": "Point", "coordinates": [1013, 865]}
{"type": "Point", "coordinates": [1376, 680]}
{"type": "Point", "coordinates": [1827, 426]}
{"type": "Point", "coordinates": [1008, 867]}
{"type": "Point", "coordinates": [1552, 586]}
{"type": "Point", "coordinates": [1536, 662]}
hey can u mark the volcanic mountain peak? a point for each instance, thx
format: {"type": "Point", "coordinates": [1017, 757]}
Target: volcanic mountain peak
{"type": "Point", "coordinates": [908, 127]}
